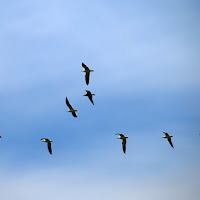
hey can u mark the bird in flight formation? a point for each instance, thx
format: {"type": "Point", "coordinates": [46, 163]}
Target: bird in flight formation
{"type": "Point", "coordinates": [168, 137]}
{"type": "Point", "coordinates": [89, 95]}
{"type": "Point", "coordinates": [48, 144]}
{"type": "Point", "coordinates": [71, 108]}
{"type": "Point", "coordinates": [87, 73]}
{"type": "Point", "coordinates": [123, 138]}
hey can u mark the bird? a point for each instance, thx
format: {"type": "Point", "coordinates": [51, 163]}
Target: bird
{"type": "Point", "coordinates": [168, 138]}
{"type": "Point", "coordinates": [48, 144]}
{"type": "Point", "coordinates": [87, 73]}
{"type": "Point", "coordinates": [123, 138]}
{"type": "Point", "coordinates": [71, 108]}
{"type": "Point", "coordinates": [0, 136]}
{"type": "Point", "coordinates": [89, 95]}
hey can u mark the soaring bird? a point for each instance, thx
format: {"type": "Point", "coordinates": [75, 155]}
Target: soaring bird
{"type": "Point", "coordinates": [87, 73]}
{"type": "Point", "coordinates": [48, 144]}
{"type": "Point", "coordinates": [168, 138]}
{"type": "Point", "coordinates": [89, 95]}
{"type": "Point", "coordinates": [0, 136]}
{"type": "Point", "coordinates": [123, 138]}
{"type": "Point", "coordinates": [71, 108]}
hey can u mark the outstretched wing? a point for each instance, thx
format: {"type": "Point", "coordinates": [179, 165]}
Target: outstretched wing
{"type": "Point", "coordinates": [87, 77]}
{"type": "Point", "coordinates": [90, 97]}
{"type": "Point", "coordinates": [68, 104]}
{"type": "Point", "coordinates": [124, 145]}
{"type": "Point", "coordinates": [84, 66]}
{"type": "Point", "coordinates": [170, 141]}
{"type": "Point", "coordinates": [74, 114]}
{"type": "Point", "coordinates": [49, 147]}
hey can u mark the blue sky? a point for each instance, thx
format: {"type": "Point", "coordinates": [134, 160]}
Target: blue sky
{"type": "Point", "coordinates": [146, 81]}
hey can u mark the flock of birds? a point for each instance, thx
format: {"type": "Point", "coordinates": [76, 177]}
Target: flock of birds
{"type": "Point", "coordinates": [90, 96]}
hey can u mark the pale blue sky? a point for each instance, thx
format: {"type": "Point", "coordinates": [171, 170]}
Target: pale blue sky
{"type": "Point", "coordinates": [146, 81]}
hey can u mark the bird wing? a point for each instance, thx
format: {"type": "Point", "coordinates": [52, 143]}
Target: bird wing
{"type": "Point", "coordinates": [90, 97]}
{"type": "Point", "coordinates": [124, 145]}
{"type": "Point", "coordinates": [87, 77]}
{"type": "Point", "coordinates": [85, 66]}
{"type": "Point", "coordinates": [68, 104]}
{"type": "Point", "coordinates": [49, 147]}
{"type": "Point", "coordinates": [170, 141]}
{"type": "Point", "coordinates": [74, 114]}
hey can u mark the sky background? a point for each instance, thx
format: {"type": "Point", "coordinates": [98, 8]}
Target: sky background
{"type": "Point", "coordinates": [146, 60]}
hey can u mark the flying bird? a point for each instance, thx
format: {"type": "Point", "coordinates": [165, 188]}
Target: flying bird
{"type": "Point", "coordinates": [0, 136]}
{"type": "Point", "coordinates": [71, 108]}
{"type": "Point", "coordinates": [87, 73]}
{"type": "Point", "coordinates": [123, 138]}
{"type": "Point", "coordinates": [48, 144]}
{"type": "Point", "coordinates": [168, 138]}
{"type": "Point", "coordinates": [89, 95]}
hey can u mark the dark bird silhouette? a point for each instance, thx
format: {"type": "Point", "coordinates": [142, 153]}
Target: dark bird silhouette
{"type": "Point", "coordinates": [87, 73]}
{"type": "Point", "coordinates": [71, 108]}
{"type": "Point", "coordinates": [123, 138]}
{"type": "Point", "coordinates": [168, 137]}
{"type": "Point", "coordinates": [48, 144]}
{"type": "Point", "coordinates": [89, 95]}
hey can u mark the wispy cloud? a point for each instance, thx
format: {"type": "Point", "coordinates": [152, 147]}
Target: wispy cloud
{"type": "Point", "coordinates": [65, 183]}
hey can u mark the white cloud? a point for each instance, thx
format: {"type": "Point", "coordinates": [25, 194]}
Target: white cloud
{"type": "Point", "coordinates": [66, 183]}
